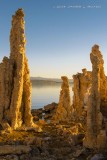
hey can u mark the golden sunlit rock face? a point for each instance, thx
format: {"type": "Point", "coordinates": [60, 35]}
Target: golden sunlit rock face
{"type": "Point", "coordinates": [64, 110]}
{"type": "Point", "coordinates": [90, 101]}
{"type": "Point", "coordinates": [96, 123]}
{"type": "Point", "coordinates": [15, 85]}
{"type": "Point", "coordinates": [81, 87]}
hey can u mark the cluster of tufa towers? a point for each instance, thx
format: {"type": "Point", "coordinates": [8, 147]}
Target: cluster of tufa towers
{"type": "Point", "coordinates": [90, 91]}
{"type": "Point", "coordinates": [89, 102]}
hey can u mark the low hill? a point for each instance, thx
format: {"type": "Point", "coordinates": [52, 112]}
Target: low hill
{"type": "Point", "coordinates": [48, 79]}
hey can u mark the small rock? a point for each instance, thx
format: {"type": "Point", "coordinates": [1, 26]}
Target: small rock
{"type": "Point", "coordinates": [12, 157]}
{"type": "Point", "coordinates": [35, 118]}
{"type": "Point", "coordinates": [37, 112]}
{"type": "Point", "coordinates": [78, 152]}
{"type": "Point", "coordinates": [74, 139]}
{"type": "Point", "coordinates": [13, 149]}
{"type": "Point", "coordinates": [34, 141]}
{"type": "Point", "coordinates": [98, 157]}
{"type": "Point", "coordinates": [48, 116]}
{"type": "Point", "coordinates": [50, 107]}
{"type": "Point", "coordinates": [43, 122]}
{"type": "Point", "coordinates": [25, 157]}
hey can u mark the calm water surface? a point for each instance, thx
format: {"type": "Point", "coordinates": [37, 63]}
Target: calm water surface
{"type": "Point", "coordinates": [44, 93]}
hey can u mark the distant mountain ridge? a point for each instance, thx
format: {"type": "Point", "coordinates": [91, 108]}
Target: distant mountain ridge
{"type": "Point", "coordinates": [48, 79]}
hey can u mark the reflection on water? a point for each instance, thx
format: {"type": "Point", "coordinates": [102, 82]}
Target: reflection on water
{"type": "Point", "coordinates": [44, 93]}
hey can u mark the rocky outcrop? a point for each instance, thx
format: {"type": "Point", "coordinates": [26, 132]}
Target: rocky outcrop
{"type": "Point", "coordinates": [15, 85]}
{"type": "Point", "coordinates": [37, 112]}
{"type": "Point", "coordinates": [81, 87]}
{"type": "Point", "coordinates": [50, 110]}
{"type": "Point", "coordinates": [64, 110]}
{"type": "Point", "coordinates": [50, 107]}
{"type": "Point", "coordinates": [47, 112]}
{"type": "Point", "coordinates": [96, 123]}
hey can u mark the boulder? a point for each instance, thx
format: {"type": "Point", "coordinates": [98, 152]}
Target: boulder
{"type": "Point", "coordinates": [50, 107]}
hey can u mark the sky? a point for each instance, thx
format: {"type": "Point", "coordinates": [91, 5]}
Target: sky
{"type": "Point", "coordinates": [59, 33]}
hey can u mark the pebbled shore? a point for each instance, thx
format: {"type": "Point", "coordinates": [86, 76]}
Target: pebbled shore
{"type": "Point", "coordinates": [54, 142]}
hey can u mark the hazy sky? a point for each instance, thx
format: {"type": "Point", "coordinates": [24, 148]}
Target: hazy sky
{"type": "Point", "coordinates": [59, 33]}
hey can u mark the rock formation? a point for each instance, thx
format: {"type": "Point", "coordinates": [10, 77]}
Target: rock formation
{"type": "Point", "coordinates": [81, 87]}
{"type": "Point", "coordinates": [15, 85]}
{"type": "Point", "coordinates": [96, 122]}
{"type": "Point", "coordinates": [64, 109]}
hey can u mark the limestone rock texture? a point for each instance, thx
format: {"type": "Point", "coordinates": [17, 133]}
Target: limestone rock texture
{"type": "Point", "coordinates": [64, 109]}
{"type": "Point", "coordinates": [81, 91]}
{"type": "Point", "coordinates": [96, 134]}
{"type": "Point", "coordinates": [15, 85]}
{"type": "Point", "coordinates": [12, 149]}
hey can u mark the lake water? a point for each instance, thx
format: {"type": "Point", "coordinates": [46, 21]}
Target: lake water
{"type": "Point", "coordinates": [44, 93]}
